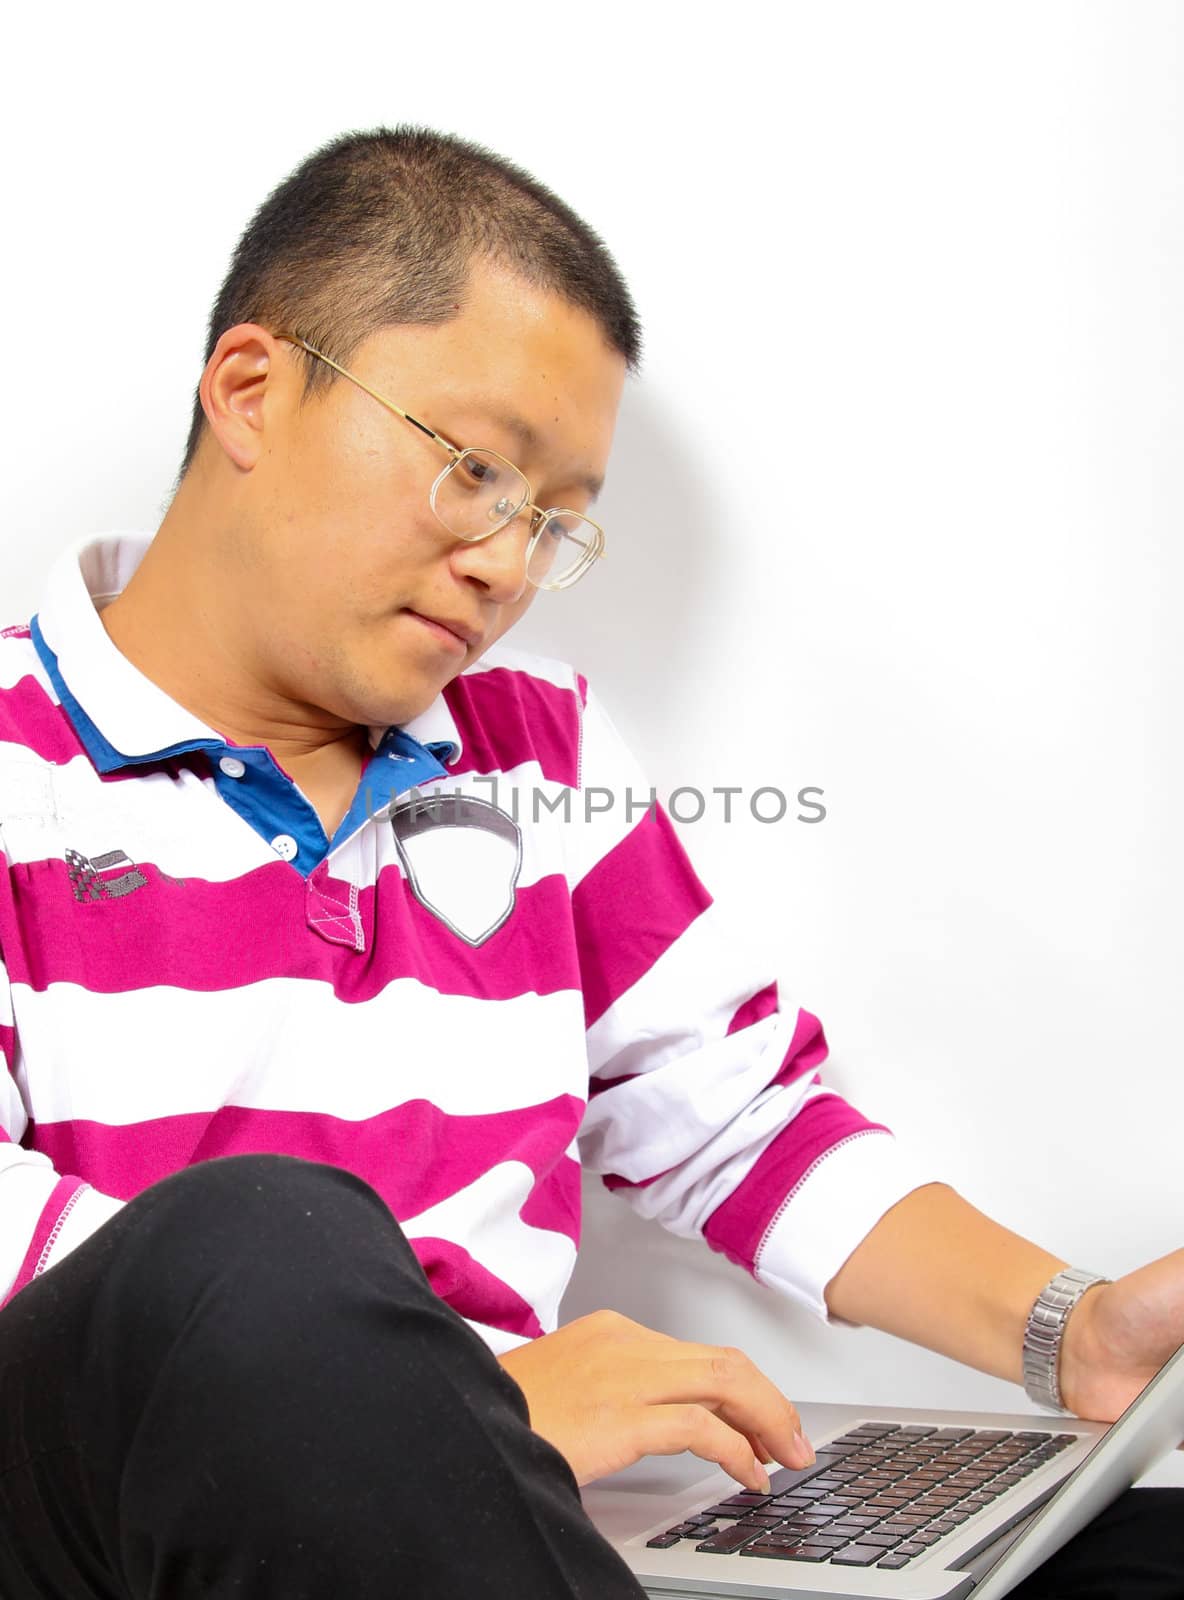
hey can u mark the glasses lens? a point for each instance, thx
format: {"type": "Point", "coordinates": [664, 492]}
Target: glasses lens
{"type": "Point", "coordinates": [478, 493]}
{"type": "Point", "coordinates": [565, 548]}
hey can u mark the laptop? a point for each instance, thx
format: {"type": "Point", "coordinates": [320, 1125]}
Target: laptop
{"type": "Point", "coordinates": [901, 1503]}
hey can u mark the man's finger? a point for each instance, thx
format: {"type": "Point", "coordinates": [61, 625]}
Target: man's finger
{"type": "Point", "coordinates": [738, 1392]}
{"type": "Point", "coordinates": [669, 1430]}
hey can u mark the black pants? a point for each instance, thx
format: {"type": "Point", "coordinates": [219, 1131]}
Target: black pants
{"type": "Point", "coordinates": [243, 1386]}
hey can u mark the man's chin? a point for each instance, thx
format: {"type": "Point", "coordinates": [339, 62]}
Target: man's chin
{"type": "Point", "coordinates": [381, 709]}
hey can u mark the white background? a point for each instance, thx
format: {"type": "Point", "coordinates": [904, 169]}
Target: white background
{"type": "Point", "coordinates": [894, 510]}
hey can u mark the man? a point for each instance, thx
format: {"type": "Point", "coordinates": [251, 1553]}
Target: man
{"type": "Point", "coordinates": [293, 950]}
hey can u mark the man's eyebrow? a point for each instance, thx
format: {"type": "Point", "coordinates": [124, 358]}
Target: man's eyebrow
{"type": "Point", "coordinates": [528, 434]}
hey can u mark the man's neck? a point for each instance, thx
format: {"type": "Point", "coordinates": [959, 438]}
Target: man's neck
{"type": "Point", "coordinates": [176, 623]}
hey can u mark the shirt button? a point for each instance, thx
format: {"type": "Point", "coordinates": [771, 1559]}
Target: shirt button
{"type": "Point", "coordinates": [284, 846]}
{"type": "Point", "coordinates": [232, 766]}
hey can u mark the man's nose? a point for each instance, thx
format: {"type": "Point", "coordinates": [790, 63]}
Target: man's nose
{"type": "Point", "coordinates": [498, 562]}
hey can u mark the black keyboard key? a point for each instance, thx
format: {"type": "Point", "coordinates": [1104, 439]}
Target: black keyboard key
{"type": "Point", "coordinates": [1034, 1437]}
{"type": "Point", "coordinates": [895, 1561]}
{"type": "Point", "coordinates": [798, 1530]}
{"type": "Point", "coordinates": [788, 1552]}
{"type": "Point", "coordinates": [662, 1542]}
{"type": "Point", "coordinates": [729, 1540]}
{"type": "Point", "coordinates": [885, 1540]}
{"type": "Point", "coordinates": [787, 1478]}
{"type": "Point", "coordinates": [857, 1555]}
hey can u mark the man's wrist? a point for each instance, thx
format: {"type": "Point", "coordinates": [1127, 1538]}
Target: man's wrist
{"type": "Point", "coordinates": [1080, 1350]}
{"type": "Point", "coordinates": [1058, 1338]}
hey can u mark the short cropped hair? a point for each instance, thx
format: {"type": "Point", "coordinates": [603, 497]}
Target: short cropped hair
{"type": "Point", "coordinates": [380, 227]}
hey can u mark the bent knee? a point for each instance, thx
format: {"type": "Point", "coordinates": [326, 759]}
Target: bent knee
{"type": "Point", "coordinates": [246, 1211]}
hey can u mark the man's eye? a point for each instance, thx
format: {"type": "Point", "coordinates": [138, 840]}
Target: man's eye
{"type": "Point", "coordinates": [483, 472]}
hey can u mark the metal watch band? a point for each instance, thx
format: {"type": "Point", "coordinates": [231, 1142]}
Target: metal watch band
{"type": "Point", "coordinates": [1045, 1330]}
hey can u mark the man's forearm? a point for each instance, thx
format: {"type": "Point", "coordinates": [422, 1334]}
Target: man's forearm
{"type": "Point", "coordinates": [938, 1272]}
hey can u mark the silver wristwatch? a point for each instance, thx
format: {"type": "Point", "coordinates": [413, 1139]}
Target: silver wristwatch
{"type": "Point", "coordinates": [1045, 1330]}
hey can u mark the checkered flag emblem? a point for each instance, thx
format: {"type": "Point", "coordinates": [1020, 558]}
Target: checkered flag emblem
{"type": "Point", "coordinates": [87, 886]}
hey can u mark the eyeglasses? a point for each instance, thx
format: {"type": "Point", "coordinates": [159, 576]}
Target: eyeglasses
{"type": "Point", "coordinates": [479, 492]}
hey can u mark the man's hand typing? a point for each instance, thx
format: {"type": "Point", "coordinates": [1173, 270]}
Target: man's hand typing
{"type": "Point", "coordinates": [606, 1391]}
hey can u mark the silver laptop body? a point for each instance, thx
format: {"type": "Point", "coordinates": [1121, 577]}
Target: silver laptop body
{"type": "Point", "coordinates": [989, 1553]}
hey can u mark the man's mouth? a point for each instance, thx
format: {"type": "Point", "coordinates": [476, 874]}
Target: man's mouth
{"type": "Point", "coordinates": [451, 631]}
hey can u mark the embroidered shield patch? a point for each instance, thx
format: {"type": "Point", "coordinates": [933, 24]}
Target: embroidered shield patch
{"type": "Point", "coordinates": [462, 856]}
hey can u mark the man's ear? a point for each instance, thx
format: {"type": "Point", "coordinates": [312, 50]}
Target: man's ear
{"type": "Point", "coordinates": [246, 365]}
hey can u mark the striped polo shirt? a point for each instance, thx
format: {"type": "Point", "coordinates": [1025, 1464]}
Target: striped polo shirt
{"type": "Point", "coordinates": [487, 978]}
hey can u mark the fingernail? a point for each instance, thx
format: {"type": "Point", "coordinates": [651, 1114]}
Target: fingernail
{"type": "Point", "coordinates": [763, 1484]}
{"type": "Point", "coordinates": [804, 1445]}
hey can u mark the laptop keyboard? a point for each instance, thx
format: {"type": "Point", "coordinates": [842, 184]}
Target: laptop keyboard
{"type": "Point", "coordinates": [881, 1496]}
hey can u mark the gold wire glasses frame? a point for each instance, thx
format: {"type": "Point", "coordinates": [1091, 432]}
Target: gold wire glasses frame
{"type": "Point", "coordinates": [478, 469]}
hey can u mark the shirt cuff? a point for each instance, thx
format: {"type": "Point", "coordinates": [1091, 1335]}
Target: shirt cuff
{"type": "Point", "coordinates": [831, 1211]}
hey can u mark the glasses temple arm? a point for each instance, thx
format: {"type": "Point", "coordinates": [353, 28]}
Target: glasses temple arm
{"type": "Point", "coordinates": [373, 393]}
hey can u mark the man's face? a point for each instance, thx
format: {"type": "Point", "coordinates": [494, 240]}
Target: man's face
{"type": "Point", "coordinates": [336, 550]}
